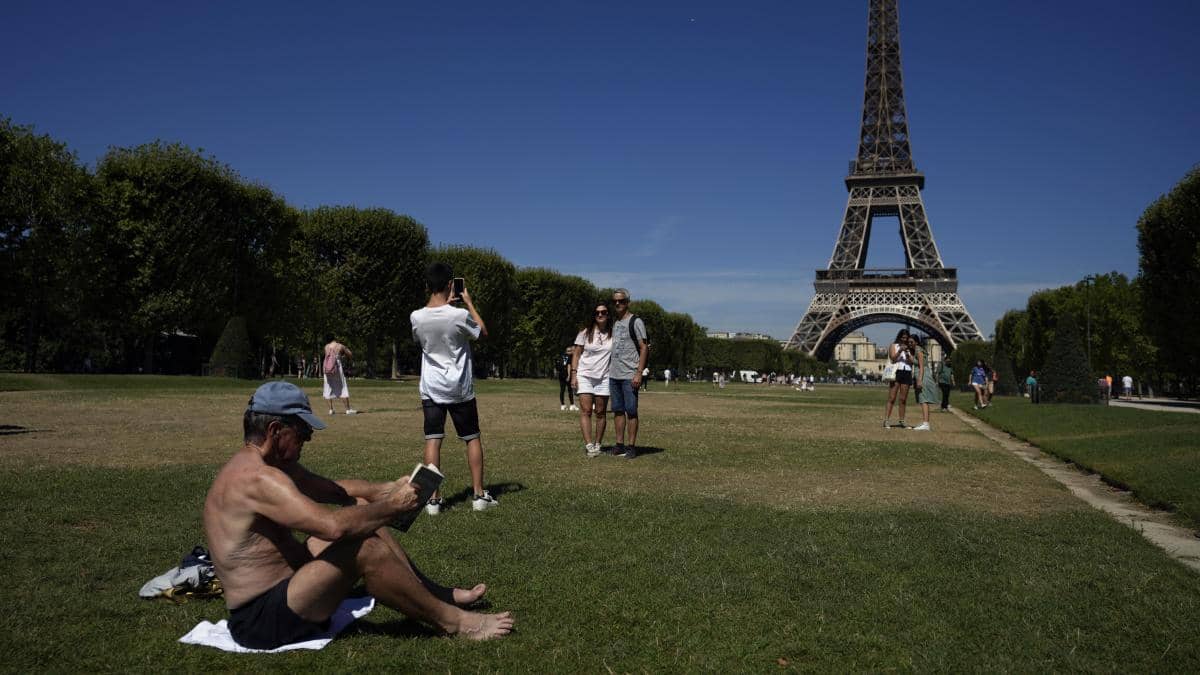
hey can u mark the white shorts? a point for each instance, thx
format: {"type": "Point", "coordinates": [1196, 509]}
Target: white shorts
{"type": "Point", "coordinates": [596, 386]}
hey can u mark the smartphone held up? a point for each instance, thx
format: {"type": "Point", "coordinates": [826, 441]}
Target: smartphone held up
{"type": "Point", "coordinates": [456, 290]}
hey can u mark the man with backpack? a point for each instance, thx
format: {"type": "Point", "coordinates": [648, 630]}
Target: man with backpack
{"type": "Point", "coordinates": [630, 350]}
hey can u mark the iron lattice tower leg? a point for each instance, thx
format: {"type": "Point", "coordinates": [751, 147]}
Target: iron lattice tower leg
{"type": "Point", "coordinates": [884, 181]}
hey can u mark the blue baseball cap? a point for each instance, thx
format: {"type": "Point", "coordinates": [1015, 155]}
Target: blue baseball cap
{"type": "Point", "coordinates": [284, 398]}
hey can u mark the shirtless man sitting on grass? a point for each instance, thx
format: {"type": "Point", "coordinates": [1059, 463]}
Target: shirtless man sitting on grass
{"type": "Point", "coordinates": [280, 590]}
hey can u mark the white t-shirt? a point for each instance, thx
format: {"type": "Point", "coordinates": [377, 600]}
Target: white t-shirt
{"type": "Point", "coordinates": [445, 335]}
{"type": "Point", "coordinates": [1127, 382]}
{"type": "Point", "coordinates": [596, 355]}
{"type": "Point", "coordinates": [903, 358]}
{"type": "Point", "coordinates": [667, 374]}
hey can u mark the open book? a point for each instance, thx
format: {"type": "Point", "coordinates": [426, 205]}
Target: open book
{"type": "Point", "coordinates": [425, 478]}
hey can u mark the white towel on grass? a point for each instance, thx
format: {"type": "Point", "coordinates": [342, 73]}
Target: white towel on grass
{"type": "Point", "coordinates": [217, 634]}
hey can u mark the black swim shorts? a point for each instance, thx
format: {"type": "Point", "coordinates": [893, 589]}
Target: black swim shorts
{"type": "Point", "coordinates": [266, 622]}
{"type": "Point", "coordinates": [465, 416]}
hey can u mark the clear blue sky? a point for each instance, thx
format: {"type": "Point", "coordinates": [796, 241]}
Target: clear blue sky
{"type": "Point", "coordinates": [692, 151]}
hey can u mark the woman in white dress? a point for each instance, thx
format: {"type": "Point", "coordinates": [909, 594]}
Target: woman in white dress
{"type": "Point", "coordinates": [589, 377]}
{"type": "Point", "coordinates": [335, 375]}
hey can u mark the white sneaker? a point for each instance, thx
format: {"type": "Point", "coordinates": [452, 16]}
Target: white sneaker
{"type": "Point", "coordinates": [593, 449]}
{"type": "Point", "coordinates": [433, 507]}
{"type": "Point", "coordinates": [484, 501]}
{"type": "Point", "coordinates": [574, 407]}
{"type": "Point", "coordinates": [352, 412]}
{"type": "Point", "coordinates": [562, 407]}
{"type": "Point", "coordinates": [923, 426]}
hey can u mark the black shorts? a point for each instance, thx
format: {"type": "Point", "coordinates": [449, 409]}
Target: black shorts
{"type": "Point", "coordinates": [464, 415]}
{"type": "Point", "coordinates": [904, 377]}
{"type": "Point", "coordinates": [266, 622]}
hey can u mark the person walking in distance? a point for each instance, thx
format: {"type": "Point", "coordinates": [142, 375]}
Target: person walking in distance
{"type": "Point", "coordinates": [589, 377]}
{"type": "Point", "coordinates": [562, 367]}
{"type": "Point", "coordinates": [630, 351]}
{"type": "Point", "coordinates": [979, 381]}
{"type": "Point", "coordinates": [945, 382]}
{"type": "Point", "coordinates": [447, 381]}
{"type": "Point", "coordinates": [334, 374]}
{"type": "Point", "coordinates": [899, 354]}
{"type": "Point", "coordinates": [667, 378]}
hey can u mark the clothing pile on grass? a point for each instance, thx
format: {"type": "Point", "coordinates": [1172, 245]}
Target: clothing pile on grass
{"type": "Point", "coordinates": [195, 577]}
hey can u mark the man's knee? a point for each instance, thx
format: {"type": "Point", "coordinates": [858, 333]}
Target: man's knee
{"type": "Point", "coordinates": [374, 550]}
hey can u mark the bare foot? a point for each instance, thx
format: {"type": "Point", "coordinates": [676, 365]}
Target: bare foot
{"type": "Point", "coordinates": [465, 598]}
{"type": "Point", "coordinates": [474, 626]}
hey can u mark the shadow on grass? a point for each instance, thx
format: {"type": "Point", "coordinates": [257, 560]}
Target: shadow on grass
{"type": "Point", "coordinates": [396, 628]}
{"type": "Point", "coordinates": [12, 430]}
{"type": "Point", "coordinates": [465, 495]}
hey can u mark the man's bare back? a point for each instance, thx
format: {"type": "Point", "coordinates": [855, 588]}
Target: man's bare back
{"type": "Point", "coordinates": [250, 552]}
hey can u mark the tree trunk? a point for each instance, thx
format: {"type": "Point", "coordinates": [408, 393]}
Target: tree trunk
{"type": "Point", "coordinates": [31, 341]}
{"type": "Point", "coordinates": [395, 360]}
{"type": "Point", "coordinates": [148, 354]}
{"type": "Point", "coordinates": [371, 340]}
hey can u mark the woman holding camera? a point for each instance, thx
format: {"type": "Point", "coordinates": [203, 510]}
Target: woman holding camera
{"type": "Point", "coordinates": [900, 354]}
{"type": "Point", "coordinates": [589, 377]}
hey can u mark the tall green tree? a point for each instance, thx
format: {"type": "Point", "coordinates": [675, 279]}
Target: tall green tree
{"type": "Point", "coordinates": [45, 204]}
{"type": "Point", "coordinates": [369, 265]}
{"type": "Point", "coordinates": [1169, 263]}
{"type": "Point", "coordinates": [551, 309]}
{"type": "Point", "coordinates": [198, 240]}
{"type": "Point", "coordinates": [492, 282]}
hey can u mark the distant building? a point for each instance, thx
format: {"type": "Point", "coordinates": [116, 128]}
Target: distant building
{"type": "Point", "coordinates": [857, 351]}
{"type": "Point", "coordinates": [729, 335]}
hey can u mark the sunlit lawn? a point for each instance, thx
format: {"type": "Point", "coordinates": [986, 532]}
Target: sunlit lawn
{"type": "Point", "coordinates": [1155, 454]}
{"type": "Point", "coordinates": [764, 529]}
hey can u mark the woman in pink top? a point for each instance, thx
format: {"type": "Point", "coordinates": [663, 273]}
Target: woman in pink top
{"type": "Point", "coordinates": [589, 376]}
{"type": "Point", "coordinates": [335, 375]}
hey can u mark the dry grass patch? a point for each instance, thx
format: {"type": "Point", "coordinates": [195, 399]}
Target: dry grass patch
{"type": "Point", "coordinates": [748, 445]}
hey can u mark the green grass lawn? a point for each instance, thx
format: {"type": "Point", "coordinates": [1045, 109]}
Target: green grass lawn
{"type": "Point", "coordinates": [765, 530]}
{"type": "Point", "coordinates": [1154, 454]}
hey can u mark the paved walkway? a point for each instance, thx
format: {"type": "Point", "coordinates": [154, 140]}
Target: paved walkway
{"type": "Point", "coordinates": [1180, 543]}
{"type": "Point", "coordinates": [1160, 404]}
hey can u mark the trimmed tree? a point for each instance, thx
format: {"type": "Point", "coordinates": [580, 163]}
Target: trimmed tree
{"type": "Point", "coordinates": [1065, 377]}
{"type": "Point", "coordinates": [369, 264]}
{"type": "Point", "coordinates": [492, 282]}
{"type": "Point", "coordinates": [232, 355]}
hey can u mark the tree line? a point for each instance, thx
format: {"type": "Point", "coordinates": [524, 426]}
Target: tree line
{"type": "Point", "coordinates": [1147, 327]}
{"type": "Point", "coordinates": [164, 260]}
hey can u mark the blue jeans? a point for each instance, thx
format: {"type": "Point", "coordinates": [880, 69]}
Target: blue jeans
{"type": "Point", "coordinates": [623, 397]}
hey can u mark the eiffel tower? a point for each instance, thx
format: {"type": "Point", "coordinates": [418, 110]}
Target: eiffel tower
{"type": "Point", "coordinates": [884, 182]}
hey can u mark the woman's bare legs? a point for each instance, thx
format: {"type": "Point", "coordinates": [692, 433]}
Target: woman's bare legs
{"type": "Point", "coordinates": [585, 417]}
{"type": "Point", "coordinates": [600, 409]}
